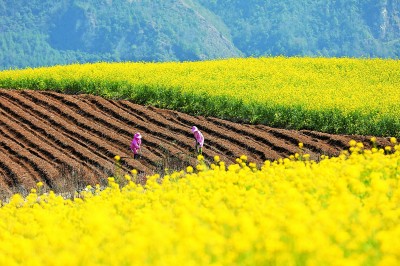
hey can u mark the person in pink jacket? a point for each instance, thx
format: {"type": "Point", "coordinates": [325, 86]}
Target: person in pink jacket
{"type": "Point", "coordinates": [199, 139]}
{"type": "Point", "coordinates": [135, 145]}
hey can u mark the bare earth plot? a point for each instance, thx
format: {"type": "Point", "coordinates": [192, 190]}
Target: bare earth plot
{"type": "Point", "coordinates": [46, 136]}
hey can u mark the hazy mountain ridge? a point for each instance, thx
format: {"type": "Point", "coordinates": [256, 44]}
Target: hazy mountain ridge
{"type": "Point", "coordinates": [35, 33]}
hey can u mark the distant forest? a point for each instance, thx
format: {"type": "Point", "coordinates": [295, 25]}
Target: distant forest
{"type": "Point", "coordinates": [45, 32]}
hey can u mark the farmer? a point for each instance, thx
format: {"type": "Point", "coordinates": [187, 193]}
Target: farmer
{"type": "Point", "coordinates": [135, 145]}
{"type": "Point", "coordinates": [199, 140]}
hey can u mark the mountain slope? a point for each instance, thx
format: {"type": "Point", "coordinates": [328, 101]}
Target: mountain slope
{"type": "Point", "coordinates": [368, 28]}
{"type": "Point", "coordinates": [36, 33]}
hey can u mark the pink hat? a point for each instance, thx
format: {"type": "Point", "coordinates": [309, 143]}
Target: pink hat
{"type": "Point", "coordinates": [194, 129]}
{"type": "Point", "coordinates": [137, 136]}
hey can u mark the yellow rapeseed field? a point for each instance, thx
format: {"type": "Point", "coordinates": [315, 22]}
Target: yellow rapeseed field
{"type": "Point", "coordinates": [315, 83]}
{"type": "Point", "coordinates": [340, 211]}
{"type": "Point", "coordinates": [338, 95]}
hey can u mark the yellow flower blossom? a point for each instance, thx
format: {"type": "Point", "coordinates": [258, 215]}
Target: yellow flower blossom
{"type": "Point", "coordinates": [243, 158]}
{"type": "Point", "coordinates": [335, 87]}
{"type": "Point", "coordinates": [286, 212]}
{"type": "Point", "coordinates": [189, 169]}
{"type": "Point", "coordinates": [352, 143]}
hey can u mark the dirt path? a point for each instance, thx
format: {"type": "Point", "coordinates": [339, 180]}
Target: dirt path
{"type": "Point", "coordinates": [45, 136]}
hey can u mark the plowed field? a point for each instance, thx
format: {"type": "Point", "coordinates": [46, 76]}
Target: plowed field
{"type": "Point", "coordinates": [48, 136]}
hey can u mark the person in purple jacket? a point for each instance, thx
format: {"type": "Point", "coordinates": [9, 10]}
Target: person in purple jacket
{"type": "Point", "coordinates": [135, 145]}
{"type": "Point", "coordinates": [199, 140]}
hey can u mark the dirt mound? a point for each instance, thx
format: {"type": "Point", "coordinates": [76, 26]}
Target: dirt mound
{"type": "Point", "coordinates": [48, 136]}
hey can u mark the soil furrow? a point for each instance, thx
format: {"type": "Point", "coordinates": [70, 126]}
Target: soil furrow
{"type": "Point", "coordinates": [11, 169]}
{"type": "Point", "coordinates": [51, 136]}
{"type": "Point", "coordinates": [157, 136]}
{"type": "Point", "coordinates": [148, 159]}
{"type": "Point", "coordinates": [229, 142]}
{"type": "Point", "coordinates": [24, 133]}
{"type": "Point", "coordinates": [78, 123]}
{"type": "Point", "coordinates": [81, 137]}
{"type": "Point", "coordinates": [168, 120]}
{"type": "Point", "coordinates": [30, 171]}
{"type": "Point", "coordinates": [81, 154]}
{"type": "Point", "coordinates": [23, 157]}
{"type": "Point", "coordinates": [42, 150]}
{"type": "Point", "coordinates": [111, 131]}
{"type": "Point", "coordinates": [156, 127]}
{"type": "Point", "coordinates": [159, 126]}
{"type": "Point", "coordinates": [13, 130]}
{"type": "Point", "coordinates": [263, 140]}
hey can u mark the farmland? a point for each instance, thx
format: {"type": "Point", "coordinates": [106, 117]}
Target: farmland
{"type": "Point", "coordinates": [49, 136]}
{"type": "Point", "coordinates": [301, 163]}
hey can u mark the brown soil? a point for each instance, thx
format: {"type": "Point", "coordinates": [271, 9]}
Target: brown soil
{"type": "Point", "coordinates": [48, 136]}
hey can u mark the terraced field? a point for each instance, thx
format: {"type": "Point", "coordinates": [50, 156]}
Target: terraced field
{"type": "Point", "coordinates": [48, 136]}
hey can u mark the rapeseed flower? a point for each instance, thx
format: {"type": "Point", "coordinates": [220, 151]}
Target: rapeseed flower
{"type": "Point", "coordinates": [339, 211]}
{"type": "Point", "coordinates": [334, 89]}
{"type": "Point", "coordinates": [189, 169]}
{"type": "Point", "coordinates": [352, 143]}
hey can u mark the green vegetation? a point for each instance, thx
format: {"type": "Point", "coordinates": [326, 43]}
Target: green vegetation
{"type": "Point", "coordinates": [336, 95]}
{"type": "Point", "coordinates": [44, 33]}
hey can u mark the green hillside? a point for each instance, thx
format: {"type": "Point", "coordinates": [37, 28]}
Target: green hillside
{"type": "Point", "coordinates": [39, 33]}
